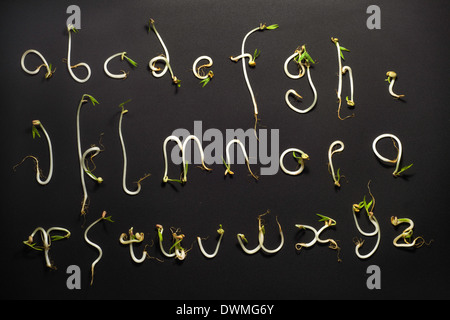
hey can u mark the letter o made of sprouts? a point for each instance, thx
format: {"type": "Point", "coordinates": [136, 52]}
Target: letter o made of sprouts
{"type": "Point", "coordinates": [397, 160]}
{"type": "Point", "coordinates": [301, 161]}
{"type": "Point", "coordinates": [49, 72]}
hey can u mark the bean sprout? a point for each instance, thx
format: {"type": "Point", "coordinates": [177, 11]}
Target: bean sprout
{"type": "Point", "coordinates": [49, 72]}
{"type": "Point", "coordinates": [397, 160]}
{"type": "Point", "coordinates": [179, 252]}
{"type": "Point", "coordinates": [198, 71]}
{"type": "Point", "coordinates": [82, 156]}
{"type": "Point", "coordinates": [328, 222]}
{"type": "Point", "coordinates": [342, 71]}
{"type": "Point", "coordinates": [406, 234]}
{"type": "Point", "coordinates": [69, 66]}
{"type": "Point", "coordinates": [133, 238]}
{"type": "Point", "coordinates": [251, 63]}
{"type": "Point", "coordinates": [180, 145]}
{"type": "Point", "coordinates": [227, 163]}
{"type": "Point", "coordinates": [46, 241]}
{"type": "Point", "coordinates": [337, 176]}
{"type": "Point", "coordinates": [124, 74]}
{"type": "Point", "coordinates": [124, 175]}
{"type": "Point", "coordinates": [391, 76]}
{"type": "Point", "coordinates": [262, 232]}
{"type": "Point", "coordinates": [100, 251]}
{"type": "Point", "coordinates": [220, 231]}
{"type": "Point", "coordinates": [369, 210]}
{"type": "Point", "coordinates": [301, 161]}
{"type": "Point", "coordinates": [38, 170]}
{"type": "Point", "coordinates": [164, 58]}
{"type": "Point", "coordinates": [301, 55]}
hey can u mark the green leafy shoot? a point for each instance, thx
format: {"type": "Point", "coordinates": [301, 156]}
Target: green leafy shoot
{"type": "Point", "coordinates": [343, 49]}
{"type": "Point", "coordinates": [226, 165]}
{"type": "Point", "coordinates": [35, 132]}
{"type": "Point", "coordinates": [151, 24]}
{"type": "Point", "coordinates": [122, 105]}
{"type": "Point", "coordinates": [243, 238]}
{"type": "Point", "coordinates": [93, 100]}
{"type": "Point", "coordinates": [176, 245]}
{"type": "Point", "coordinates": [272, 27]}
{"type": "Point", "coordinates": [338, 175]}
{"type": "Point", "coordinates": [109, 218]}
{"type": "Point", "coordinates": [56, 238]}
{"type": "Point", "coordinates": [132, 62]}
{"type": "Point", "coordinates": [256, 54]}
{"type": "Point", "coordinates": [205, 81]}
{"type": "Point", "coordinates": [33, 246]}
{"type": "Point", "coordinates": [365, 204]}
{"type": "Point", "coordinates": [160, 235]}
{"type": "Point", "coordinates": [404, 169]}
{"type": "Point", "coordinates": [326, 219]}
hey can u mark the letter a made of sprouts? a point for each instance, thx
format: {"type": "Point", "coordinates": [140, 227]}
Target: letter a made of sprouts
{"type": "Point", "coordinates": [46, 241]}
{"type": "Point", "coordinates": [328, 222]}
{"type": "Point", "coordinates": [368, 207]}
{"type": "Point", "coordinates": [156, 71]}
{"type": "Point", "coordinates": [397, 160]}
{"type": "Point", "coordinates": [99, 249]}
{"type": "Point", "coordinates": [124, 175]}
{"type": "Point", "coordinates": [71, 28]}
{"type": "Point", "coordinates": [35, 131]}
{"type": "Point", "coordinates": [251, 63]}
{"type": "Point", "coordinates": [299, 56]}
{"type": "Point", "coordinates": [406, 235]}
{"type": "Point", "coordinates": [341, 71]}
{"type": "Point", "coordinates": [176, 250]}
{"type": "Point", "coordinates": [122, 75]}
{"type": "Point", "coordinates": [82, 156]}
{"type": "Point", "coordinates": [391, 76]}
{"type": "Point", "coordinates": [199, 73]}
{"type": "Point", "coordinates": [300, 159]}
{"type": "Point", "coordinates": [48, 66]}
{"type": "Point", "coordinates": [227, 163]}
{"type": "Point", "coordinates": [336, 176]}
{"type": "Point", "coordinates": [261, 231]}
{"type": "Point", "coordinates": [220, 231]}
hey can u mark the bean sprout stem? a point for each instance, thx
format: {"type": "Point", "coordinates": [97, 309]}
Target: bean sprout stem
{"type": "Point", "coordinates": [220, 231]}
{"type": "Point", "coordinates": [69, 65]}
{"type": "Point", "coordinates": [122, 75]}
{"type": "Point", "coordinates": [301, 55]}
{"type": "Point", "coordinates": [397, 160]}
{"type": "Point", "coordinates": [251, 63]}
{"type": "Point", "coordinates": [341, 71]}
{"type": "Point", "coordinates": [164, 58]}
{"type": "Point", "coordinates": [82, 156]}
{"type": "Point", "coordinates": [133, 238]}
{"type": "Point", "coordinates": [124, 175]}
{"type": "Point", "coordinates": [301, 161]}
{"type": "Point", "coordinates": [46, 241]}
{"type": "Point", "coordinates": [391, 76]}
{"type": "Point", "coordinates": [301, 245]}
{"type": "Point", "coordinates": [227, 163]}
{"type": "Point", "coordinates": [369, 210]}
{"type": "Point", "coordinates": [337, 176]}
{"type": "Point", "coordinates": [198, 71]}
{"type": "Point", "coordinates": [262, 232]}
{"type": "Point", "coordinates": [49, 72]}
{"type": "Point", "coordinates": [180, 145]}
{"type": "Point", "coordinates": [179, 252]}
{"type": "Point", "coordinates": [35, 132]}
{"type": "Point", "coordinates": [99, 249]}
{"type": "Point", "coordinates": [406, 234]}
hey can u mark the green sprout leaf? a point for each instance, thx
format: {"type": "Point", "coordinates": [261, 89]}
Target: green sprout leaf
{"type": "Point", "coordinates": [109, 218]}
{"type": "Point", "coordinates": [342, 49]}
{"type": "Point", "coordinates": [93, 100]}
{"type": "Point", "coordinates": [123, 103]}
{"type": "Point", "coordinates": [272, 27]}
{"type": "Point", "coordinates": [134, 63]}
{"type": "Point", "coordinates": [256, 54]}
{"type": "Point", "coordinates": [322, 217]}
{"type": "Point", "coordinates": [35, 132]}
{"type": "Point", "coordinates": [56, 238]}
{"type": "Point", "coordinates": [205, 81]}
{"type": "Point", "coordinates": [404, 169]}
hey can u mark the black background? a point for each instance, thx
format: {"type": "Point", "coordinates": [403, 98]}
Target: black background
{"type": "Point", "coordinates": [413, 41]}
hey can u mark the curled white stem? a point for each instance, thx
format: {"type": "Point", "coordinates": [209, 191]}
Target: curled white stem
{"type": "Point", "coordinates": [241, 239]}
{"type": "Point", "coordinates": [197, 70]}
{"type": "Point", "coordinates": [202, 155]}
{"type": "Point", "coordinates": [301, 245]}
{"type": "Point", "coordinates": [406, 234]}
{"type": "Point", "coordinates": [399, 151]}
{"type": "Point", "coordinates": [336, 177]}
{"type": "Point", "coordinates": [122, 75]}
{"type": "Point", "coordinates": [49, 72]}
{"type": "Point", "coordinates": [350, 101]}
{"type": "Point", "coordinates": [220, 231]}
{"type": "Point", "coordinates": [300, 65]}
{"type": "Point", "coordinates": [227, 164]}
{"type": "Point", "coordinates": [392, 76]}
{"type": "Point", "coordinates": [69, 65]}
{"type": "Point", "coordinates": [292, 91]}
{"type": "Point", "coordinates": [160, 230]}
{"type": "Point", "coordinates": [180, 145]}
{"type": "Point", "coordinates": [154, 69]}
{"type": "Point", "coordinates": [301, 161]}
